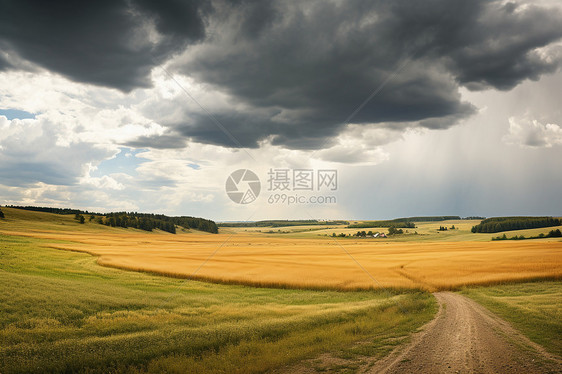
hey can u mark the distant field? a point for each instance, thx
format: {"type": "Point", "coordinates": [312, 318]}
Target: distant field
{"type": "Point", "coordinates": [423, 232]}
{"type": "Point", "coordinates": [306, 260]}
{"type": "Point", "coordinates": [533, 308]}
{"type": "Point", "coordinates": [60, 312]}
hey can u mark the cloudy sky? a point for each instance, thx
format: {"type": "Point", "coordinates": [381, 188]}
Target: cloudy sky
{"type": "Point", "coordinates": [422, 108]}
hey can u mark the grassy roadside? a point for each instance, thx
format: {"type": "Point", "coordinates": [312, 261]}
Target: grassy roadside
{"type": "Point", "coordinates": [534, 308]}
{"type": "Point", "coordinates": [63, 313]}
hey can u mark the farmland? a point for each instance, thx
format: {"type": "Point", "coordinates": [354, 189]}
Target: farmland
{"type": "Point", "coordinates": [62, 312]}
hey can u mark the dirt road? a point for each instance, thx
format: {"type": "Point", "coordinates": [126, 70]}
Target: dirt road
{"type": "Point", "coordinates": [466, 338]}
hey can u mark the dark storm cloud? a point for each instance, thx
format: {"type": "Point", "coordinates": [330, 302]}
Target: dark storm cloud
{"type": "Point", "coordinates": [104, 42]}
{"type": "Point", "coordinates": [158, 142]}
{"type": "Point", "coordinates": [298, 69]}
{"type": "Point", "coordinates": [495, 44]}
{"type": "Point", "coordinates": [314, 63]}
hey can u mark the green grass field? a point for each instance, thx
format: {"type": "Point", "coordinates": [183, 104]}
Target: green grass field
{"type": "Point", "coordinates": [63, 313]}
{"type": "Point", "coordinates": [533, 308]}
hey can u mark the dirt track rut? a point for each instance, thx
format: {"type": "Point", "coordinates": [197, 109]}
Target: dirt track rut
{"type": "Point", "coordinates": [467, 338]}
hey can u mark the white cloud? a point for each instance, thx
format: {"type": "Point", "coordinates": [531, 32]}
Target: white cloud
{"type": "Point", "coordinates": [532, 133]}
{"type": "Point", "coordinates": [37, 150]}
{"type": "Point", "coordinates": [104, 182]}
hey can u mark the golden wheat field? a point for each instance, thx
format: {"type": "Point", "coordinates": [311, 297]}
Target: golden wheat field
{"type": "Point", "coordinates": [315, 262]}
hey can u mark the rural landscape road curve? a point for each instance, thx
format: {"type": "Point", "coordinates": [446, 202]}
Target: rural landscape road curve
{"type": "Point", "coordinates": [467, 338]}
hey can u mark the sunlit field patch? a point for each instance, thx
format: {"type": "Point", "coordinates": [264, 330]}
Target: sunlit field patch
{"type": "Point", "coordinates": [314, 262]}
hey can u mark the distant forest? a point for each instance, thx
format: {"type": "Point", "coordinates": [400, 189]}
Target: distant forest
{"type": "Point", "coordinates": [407, 223]}
{"type": "Point", "coordinates": [281, 223]}
{"type": "Point", "coordinates": [142, 221]}
{"type": "Point", "coordinates": [498, 224]}
{"type": "Point", "coordinates": [391, 223]}
{"type": "Point", "coordinates": [148, 222]}
{"type": "Point", "coordinates": [426, 219]}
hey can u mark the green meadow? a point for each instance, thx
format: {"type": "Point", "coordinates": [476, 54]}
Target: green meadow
{"type": "Point", "coordinates": [534, 308]}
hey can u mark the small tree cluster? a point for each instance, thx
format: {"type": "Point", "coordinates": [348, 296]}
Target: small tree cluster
{"type": "Point", "coordinates": [80, 218]}
{"type": "Point", "coordinates": [363, 234]}
{"type": "Point", "coordinates": [555, 233]}
{"type": "Point", "coordinates": [1, 214]}
{"type": "Point", "coordinates": [394, 231]}
{"type": "Point", "coordinates": [340, 235]}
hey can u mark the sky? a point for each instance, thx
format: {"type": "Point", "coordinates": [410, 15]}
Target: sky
{"type": "Point", "coordinates": [412, 108]}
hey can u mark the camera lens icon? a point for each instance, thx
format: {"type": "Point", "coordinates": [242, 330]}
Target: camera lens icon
{"type": "Point", "coordinates": [243, 186]}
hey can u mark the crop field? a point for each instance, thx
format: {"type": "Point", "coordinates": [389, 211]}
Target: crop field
{"type": "Point", "coordinates": [308, 260]}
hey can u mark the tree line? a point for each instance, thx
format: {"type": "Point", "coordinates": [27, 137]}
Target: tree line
{"type": "Point", "coordinates": [391, 223]}
{"type": "Point", "coordinates": [427, 219]}
{"type": "Point", "coordinates": [149, 221]}
{"type": "Point", "coordinates": [498, 224]}
{"type": "Point", "coordinates": [127, 220]}
{"type": "Point", "coordinates": [281, 223]}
